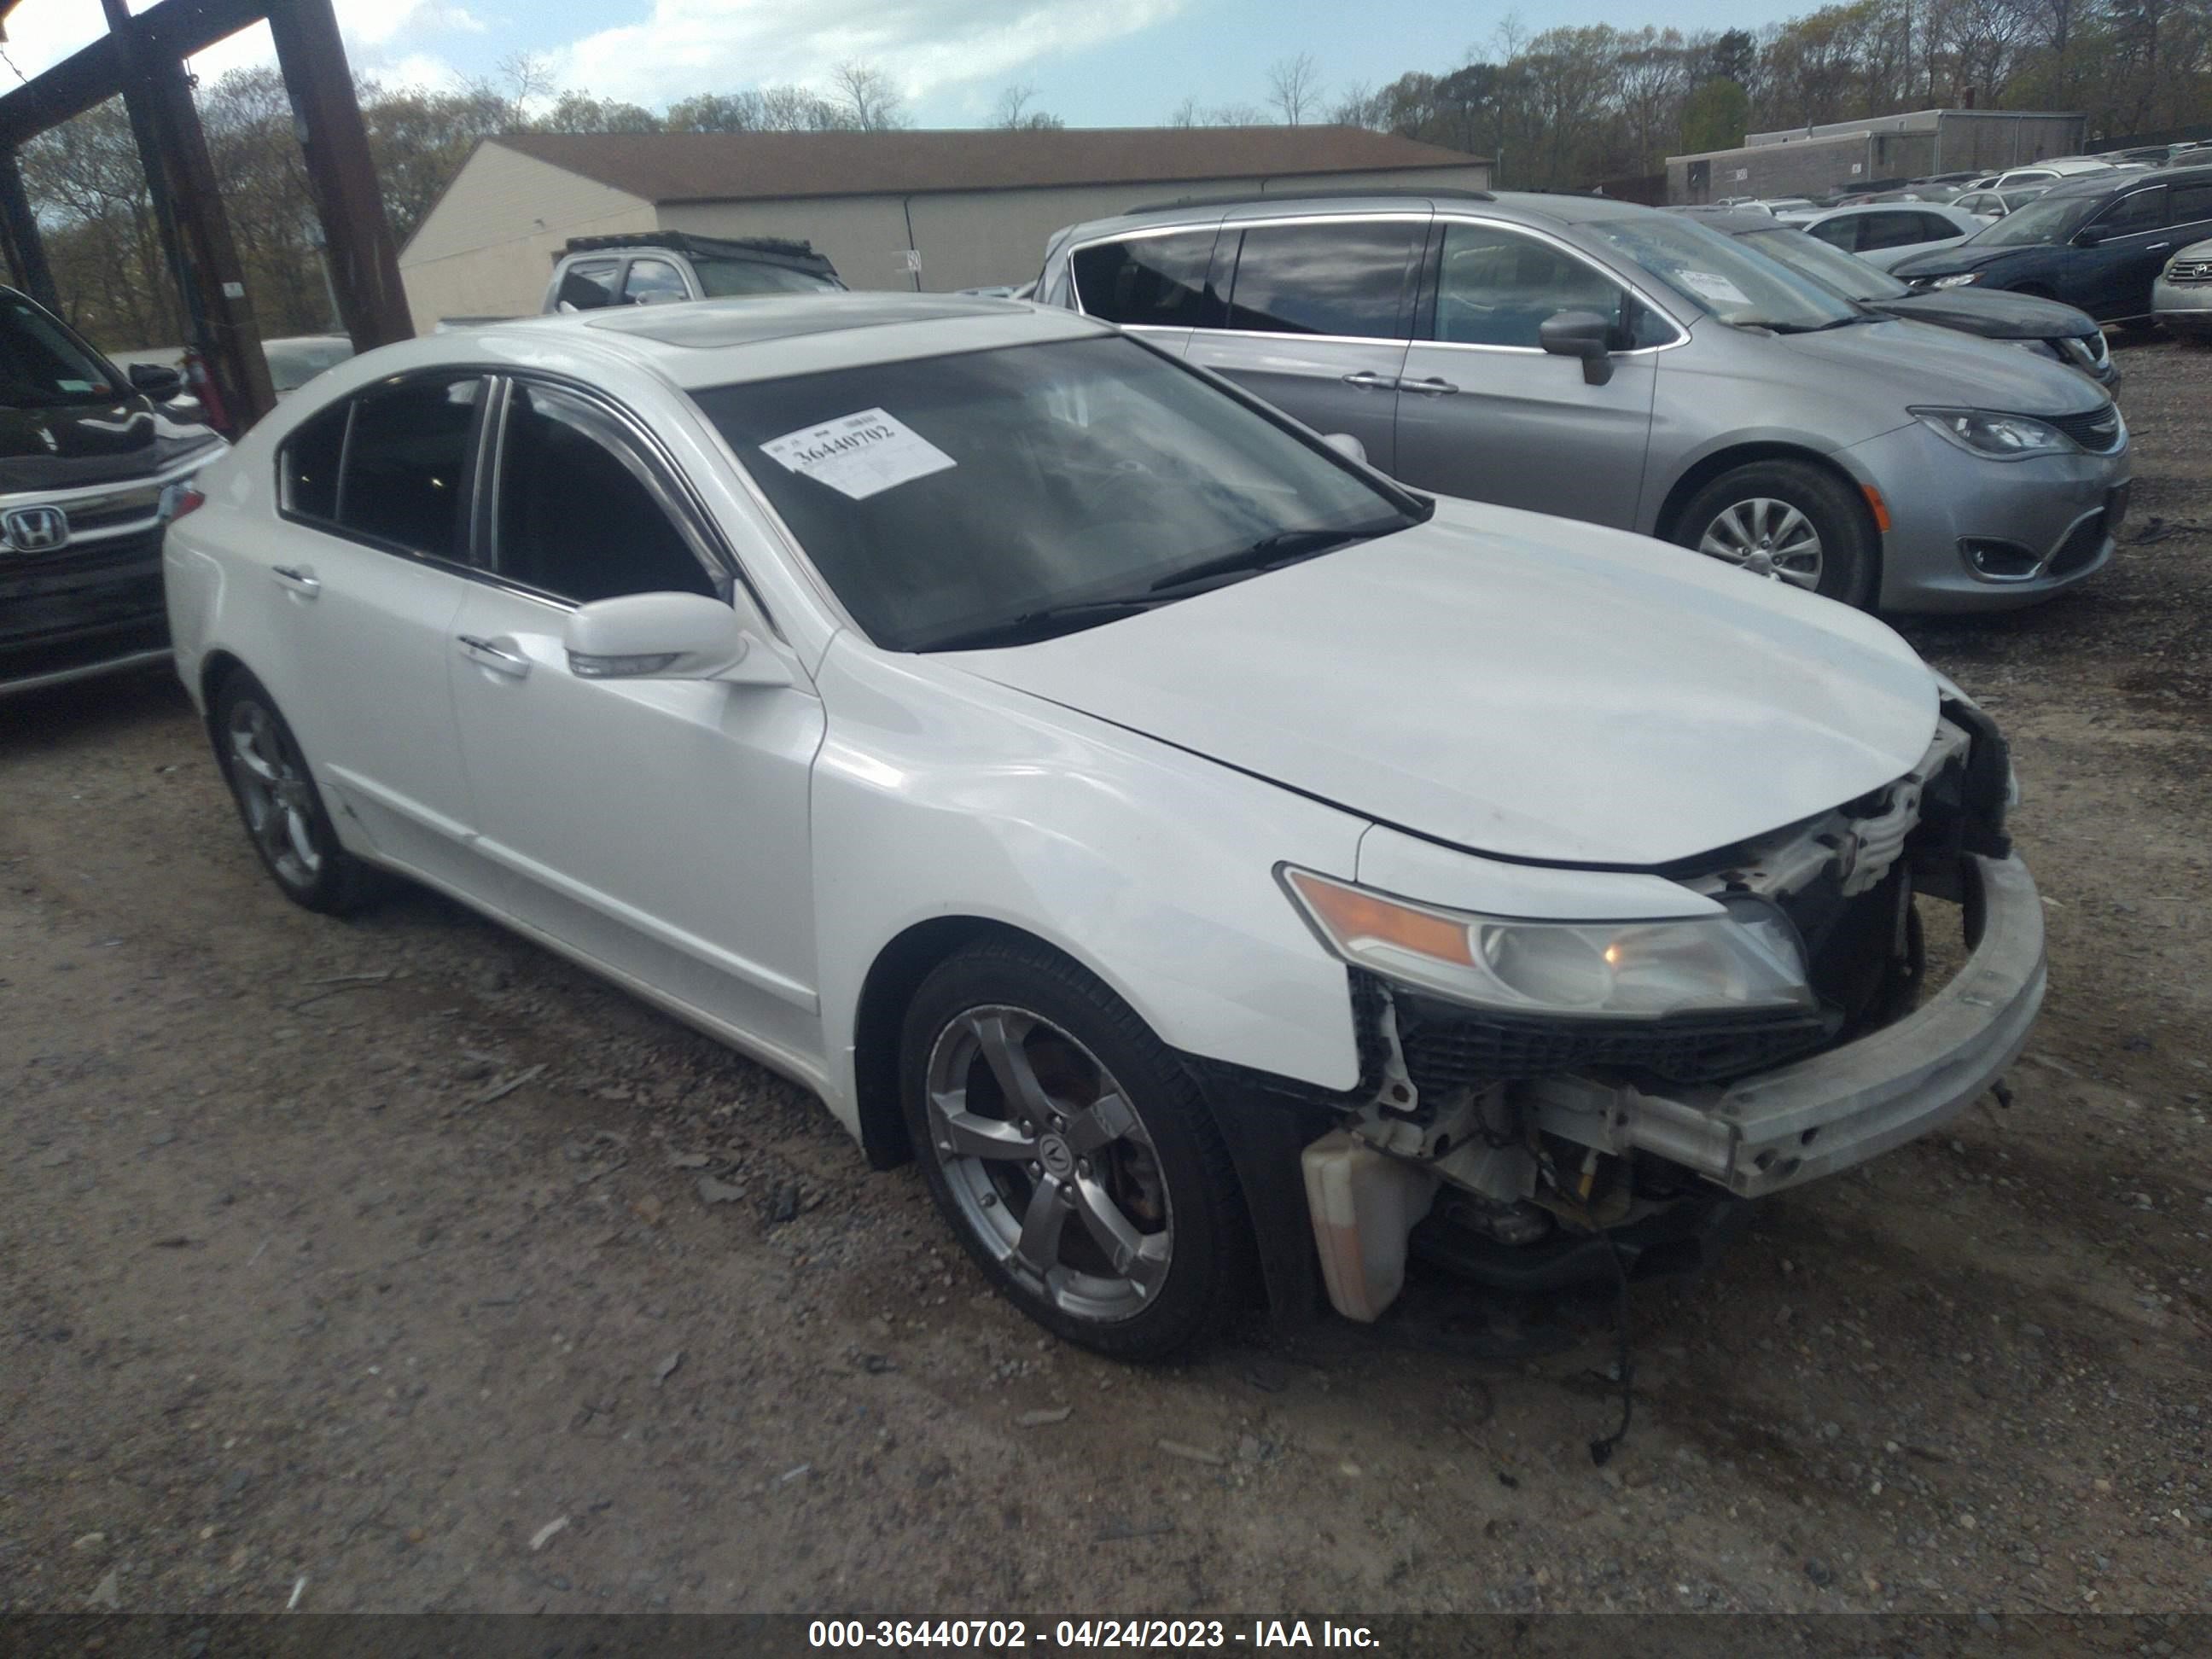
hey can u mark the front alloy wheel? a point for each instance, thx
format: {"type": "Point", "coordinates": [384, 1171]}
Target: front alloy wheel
{"type": "Point", "coordinates": [1790, 519]}
{"type": "Point", "coordinates": [1072, 1151]}
{"type": "Point", "coordinates": [1765, 532]}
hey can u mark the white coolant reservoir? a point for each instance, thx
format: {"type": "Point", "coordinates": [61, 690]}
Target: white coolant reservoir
{"type": "Point", "coordinates": [1364, 1204]}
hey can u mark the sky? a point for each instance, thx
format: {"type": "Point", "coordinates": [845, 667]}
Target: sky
{"type": "Point", "coordinates": [1120, 63]}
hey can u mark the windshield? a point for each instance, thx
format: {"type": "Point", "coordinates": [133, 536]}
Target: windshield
{"type": "Point", "coordinates": [1720, 278]}
{"type": "Point", "coordinates": [724, 279]}
{"type": "Point", "coordinates": [944, 497]}
{"type": "Point", "coordinates": [1830, 267]}
{"type": "Point", "coordinates": [40, 364]}
{"type": "Point", "coordinates": [2046, 219]}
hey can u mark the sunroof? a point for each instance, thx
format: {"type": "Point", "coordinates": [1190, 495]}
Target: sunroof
{"type": "Point", "coordinates": [708, 323]}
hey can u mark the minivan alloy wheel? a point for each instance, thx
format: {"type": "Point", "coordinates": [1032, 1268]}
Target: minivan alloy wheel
{"type": "Point", "coordinates": [1763, 528]}
{"type": "Point", "coordinates": [1047, 1164]}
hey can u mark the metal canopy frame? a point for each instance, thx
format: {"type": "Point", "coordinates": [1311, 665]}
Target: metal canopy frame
{"type": "Point", "coordinates": [142, 59]}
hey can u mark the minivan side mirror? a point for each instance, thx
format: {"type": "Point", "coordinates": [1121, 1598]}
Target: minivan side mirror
{"type": "Point", "coordinates": [1582, 334]}
{"type": "Point", "coordinates": [156, 382]}
{"type": "Point", "coordinates": [670, 636]}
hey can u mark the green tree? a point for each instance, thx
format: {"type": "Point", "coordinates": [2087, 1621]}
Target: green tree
{"type": "Point", "coordinates": [1715, 117]}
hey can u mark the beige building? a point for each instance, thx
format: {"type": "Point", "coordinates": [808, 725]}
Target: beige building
{"type": "Point", "coordinates": [967, 209]}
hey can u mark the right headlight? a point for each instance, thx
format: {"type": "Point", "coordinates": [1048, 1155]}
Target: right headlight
{"type": "Point", "coordinates": [1749, 958]}
{"type": "Point", "coordinates": [1995, 435]}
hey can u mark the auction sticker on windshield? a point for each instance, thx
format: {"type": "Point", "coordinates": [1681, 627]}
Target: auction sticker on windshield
{"type": "Point", "coordinates": [858, 455]}
{"type": "Point", "coordinates": [1707, 285]}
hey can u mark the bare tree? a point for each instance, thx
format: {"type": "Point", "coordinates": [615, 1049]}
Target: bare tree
{"type": "Point", "coordinates": [866, 97]}
{"type": "Point", "coordinates": [1015, 115]}
{"type": "Point", "coordinates": [1359, 105]}
{"type": "Point", "coordinates": [1294, 87]}
{"type": "Point", "coordinates": [1186, 114]}
{"type": "Point", "coordinates": [528, 76]}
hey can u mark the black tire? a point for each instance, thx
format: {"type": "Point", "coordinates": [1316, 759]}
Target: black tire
{"type": "Point", "coordinates": [1848, 553]}
{"type": "Point", "coordinates": [279, 804]}
{"type": "Point", "coordinates": [1201, 1250]}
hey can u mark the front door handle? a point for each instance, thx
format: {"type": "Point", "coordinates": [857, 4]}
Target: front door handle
{"type": "Point", "coordinates": [1433, 387]}
{"type": "Point", "coordinates": [494, 655]}
{"type": "Point", "coordinates": [1368, 380]}
{"type": "Point", "coordinates": [298, 577]}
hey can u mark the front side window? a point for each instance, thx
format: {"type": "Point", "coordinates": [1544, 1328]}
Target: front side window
{"type": "Point", "coordinates": [578, 517]}
{"type": "Point", "coordinates": [1496, 288]}
{"type": "Point", "coordinates": [649, 281]}
{"type": "Point", "coordinates": [1344, 279]}
{"type": "Point", "coordinates": [406, 463]}
{"type": "Point", "coordinates": [2143, 211]}
{"type": "Point", "coordinates": [992, 497]}
{"type": "Point", "coordinates": [1841, 232]}
{"type": "Point", "coordinates": [1157, 282]}
{"type": "Point", "coordinates": [587, 285]}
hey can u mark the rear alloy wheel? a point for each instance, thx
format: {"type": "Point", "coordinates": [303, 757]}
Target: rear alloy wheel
{"type": "Point", "coordinates": [1071, 1152]}
{"type": "Point", "coordinates": [1788, 520]}
{"type": "Point", "coordinates": [281, 807]}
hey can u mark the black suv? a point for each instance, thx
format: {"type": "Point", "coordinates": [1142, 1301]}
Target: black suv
{"type": "Point", "coordinates": [2097, 242]}
{"type": "Point", "coordinates": [88, 458]}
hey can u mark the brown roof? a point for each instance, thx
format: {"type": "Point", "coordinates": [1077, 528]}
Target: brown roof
{"type": "Point", "coordinates": [721, 166]}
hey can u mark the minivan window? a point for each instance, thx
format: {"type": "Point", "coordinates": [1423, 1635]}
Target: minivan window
{"type": "Point", "coordinates": [1721, 279]}
{"type": "Point", "coordinates": [1496, 287]}
{"type": "Point", "coordinates": [1157, 282]}
{"type": "Point", "coordinates": [1343, 278]}
{"type": "Point", "coordinates": [40, 365]}
{"type": "Point", "coordinates": [406, 461]}
{"type": "Point", "coordinates": [997, 497]}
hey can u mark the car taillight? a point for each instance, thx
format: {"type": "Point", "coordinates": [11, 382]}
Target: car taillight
{"type": "Point", "coordinates": [181, 498]}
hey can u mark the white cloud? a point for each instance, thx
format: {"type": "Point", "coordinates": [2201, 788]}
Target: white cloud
{"type": "Point", "coordinates": [689, 46]}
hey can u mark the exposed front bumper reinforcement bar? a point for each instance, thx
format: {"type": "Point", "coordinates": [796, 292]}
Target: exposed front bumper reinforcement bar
{"type": "Point", "coordinates": [1827, 1113]}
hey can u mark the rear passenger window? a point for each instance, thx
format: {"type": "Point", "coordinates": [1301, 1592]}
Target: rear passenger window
{"type": "Point", "coordinates": [1151, 281]}
{"type": "Point", "coordinates": [1344, 279]}
{"type": "Point", "coordinates": [405, 463]}
{"type": "Point", "coordinates": [311, 464]}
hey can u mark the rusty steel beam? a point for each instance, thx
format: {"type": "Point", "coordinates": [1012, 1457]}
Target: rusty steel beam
{"type": "Point", "coordinates": [26, 249]}
{"type": "Point", "coordinates": [364, 258]}
{"type": "Point", "coordinates": [176, 28]}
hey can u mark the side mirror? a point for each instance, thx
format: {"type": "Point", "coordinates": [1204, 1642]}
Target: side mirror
{"type": "Point", "coordinates": [1582, 334]}
{"type": "Point", "coordinates": [156, 382]}
{"type": "Point", "coordinates": [1347, 445]}
{"type": "Point", "coordinates": [668, 636]}
{"type": "Point", "coordinates": [2087, 239]}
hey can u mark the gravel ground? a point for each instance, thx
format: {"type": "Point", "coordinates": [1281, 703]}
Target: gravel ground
{"type": "Point", "coordinates": [396, 1265]}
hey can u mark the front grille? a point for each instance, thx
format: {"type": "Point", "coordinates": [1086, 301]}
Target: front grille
{"type": "Point", "coordinates": [2096, 430]}
{"type": "Point", "coordinates": [2189, 270]}
{"type": "Point", "coordinates": [1448, 1047]}
{"type": "Point", "coordinates": [134, 505]}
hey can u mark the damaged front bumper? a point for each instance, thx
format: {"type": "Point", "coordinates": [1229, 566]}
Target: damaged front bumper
{"type": "Point", "coordinates": [1779, 1128]}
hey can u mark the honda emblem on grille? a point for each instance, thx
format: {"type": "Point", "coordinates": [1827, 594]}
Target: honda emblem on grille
{"type": "Point", "coordinates": [35, 529]}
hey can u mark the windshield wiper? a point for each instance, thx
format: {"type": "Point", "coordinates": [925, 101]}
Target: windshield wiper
{"type": "Point", "coordinates": [1041, 623]}
{"type": "Point", "coordinates": [1284, 547]}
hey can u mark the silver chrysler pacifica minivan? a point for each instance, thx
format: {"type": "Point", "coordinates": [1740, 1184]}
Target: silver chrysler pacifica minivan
{"type": "Point", "coordinates": [1600, 361]}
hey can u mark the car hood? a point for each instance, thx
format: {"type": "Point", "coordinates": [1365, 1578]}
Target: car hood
{"type": "Point", "coordinates": [1993, 314]}
{"type": "Point", "coordinates": [1913, 362]}
{"type": "Point", "coordinates": [61, 447]}
{"type": "Point", "coordinates": [1964, 256]}
{"type": "Point", "coordinates": [1513, 684]}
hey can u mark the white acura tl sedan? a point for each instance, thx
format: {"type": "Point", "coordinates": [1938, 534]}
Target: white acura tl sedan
{"type": "Point", "coordinates": [1225, 870]}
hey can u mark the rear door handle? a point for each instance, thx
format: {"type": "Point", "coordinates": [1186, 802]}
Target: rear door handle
{"type": "Point", "coordinates": [1367, 380]}
{"type": "Point", "coordinates": [1432, 386]}
{"type": "Point", "coordinates": [299, 578]}
{"type": "Point", "coordinates": [494, 655]}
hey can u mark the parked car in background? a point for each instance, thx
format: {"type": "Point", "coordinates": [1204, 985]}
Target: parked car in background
{"type": "Point", "coordinates": [2058, 331]}
{"type": "Point", "coordinates": [2181, 299]}
{"type": "Point", "coordinates": [1986, 205]}
{"type": "Point", "coordinates": [1583, 356]}
{"type": "Point", "coordinates": [2051, 171]}
{"type": "Point", "coordinates": [2097, 242]}
{"type": "Point", "coordinates": [88, 458]}
{"type": "Point", "coordinates": [1196, 851]}
{"type": "Point", "coordinates": [661, 267]}
{"type": "Point", "coordinates": [1883, 233]}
